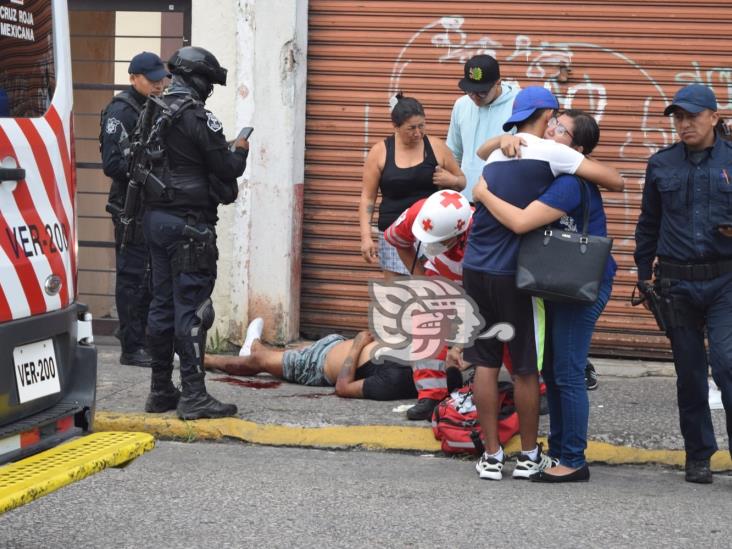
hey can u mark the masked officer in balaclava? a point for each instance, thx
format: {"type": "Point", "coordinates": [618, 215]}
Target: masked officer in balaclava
{"type": "Point", "coordinates": [198, 171]}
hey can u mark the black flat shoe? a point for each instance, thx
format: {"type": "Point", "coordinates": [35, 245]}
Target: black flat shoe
{"type": "Point", "coordinates": [580, 475]}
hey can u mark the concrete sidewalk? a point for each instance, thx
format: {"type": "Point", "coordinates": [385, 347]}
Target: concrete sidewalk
{"type": "Point", "coordinates": [633, 414]}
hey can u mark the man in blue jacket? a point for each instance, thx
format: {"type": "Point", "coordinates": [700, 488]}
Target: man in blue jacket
{"type": "Point", "coordinates": [686, 225]}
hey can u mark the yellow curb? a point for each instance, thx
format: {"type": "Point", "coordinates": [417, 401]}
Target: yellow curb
{"type": "Point", "coordinates": [609, 453]}
{"type": "Point", "coordinates": [381, 437]}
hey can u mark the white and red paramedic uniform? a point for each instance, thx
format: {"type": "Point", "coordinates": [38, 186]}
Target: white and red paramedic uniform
{"type": "Point", "coordinates": [429, 375]}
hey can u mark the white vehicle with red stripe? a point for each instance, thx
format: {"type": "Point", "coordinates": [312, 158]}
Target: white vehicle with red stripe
{"type": "Point", "coordinates": [47, 356]}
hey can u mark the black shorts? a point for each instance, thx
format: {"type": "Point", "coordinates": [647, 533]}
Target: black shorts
{"type": "Point", "coordinates": [387, 381]}
{"type": "Point", "coordinates": [498, 300]}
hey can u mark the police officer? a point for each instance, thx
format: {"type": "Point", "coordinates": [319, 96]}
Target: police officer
{"type": "Point", "coordinates": [132, 296]}
{"type": "Point", "coordinates": [199, 171]}
{"type": "Point", "coordinates": [686, 223]}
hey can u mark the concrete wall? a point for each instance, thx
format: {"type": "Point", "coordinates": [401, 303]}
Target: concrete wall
{"type": "Point", "coordinates": [263, 45]}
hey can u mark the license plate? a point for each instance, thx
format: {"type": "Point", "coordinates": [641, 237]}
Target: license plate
{"type": "Point", "coordinates": [36, 370]}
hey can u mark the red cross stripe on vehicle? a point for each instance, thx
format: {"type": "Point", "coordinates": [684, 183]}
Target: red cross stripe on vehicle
{"type": "Point", "coordinates": [460, 224]}
{"type": "Point", "coordinates": [427, 225]}
{"type": "Point", "coordinates": [451, 199]}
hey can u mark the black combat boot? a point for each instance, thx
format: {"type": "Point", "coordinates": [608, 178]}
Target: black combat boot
{"type": "Point", "coordinates": [698, 471]}
{"type": "Point", "coordinates": [140, 357]}
{"type": "Point", "coordinates": [195, 402]}
{"type": "Point", "coordinates": [163, 394]}
{"type": "Point", "coordinates": [423, 409]}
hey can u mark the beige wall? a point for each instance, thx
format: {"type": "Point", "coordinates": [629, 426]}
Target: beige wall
{"type": "Point", "coordinates": [263, 45]}
{"type": "Point", "coordinates": [214, 28]}
{"type": "Point", "coordinates": [145, 27]}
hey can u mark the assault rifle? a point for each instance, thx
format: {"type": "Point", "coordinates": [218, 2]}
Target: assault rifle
{"type": "Point", "coordinates": [144, 151]}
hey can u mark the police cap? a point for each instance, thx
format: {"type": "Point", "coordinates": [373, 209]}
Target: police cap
{"type": "Point", "coordinates": [693, 98]}
{"type": "Point", "coordinates": [148, 64]}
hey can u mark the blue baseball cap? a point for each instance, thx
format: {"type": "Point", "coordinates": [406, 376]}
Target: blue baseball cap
{"type": "Point", "coordinates": [149, 65]}
{"type": "Point", "coordinates": [527, 102]}
{"type": "Point", "coordinates": [693, 98]}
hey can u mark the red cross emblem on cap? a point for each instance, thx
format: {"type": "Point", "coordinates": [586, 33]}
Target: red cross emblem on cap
{"type": "Point", "coordinates": [451, 199]}
{"type": "Point", "coordinates": [460, 224]}
{"type": "Point", "coordinates": [427, 225]}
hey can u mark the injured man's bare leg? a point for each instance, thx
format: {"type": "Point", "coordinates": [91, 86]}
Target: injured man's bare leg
{"type": "Point", "coordinates": [265, 360]}
{"type": "Point", "coordinates": [261, 360]}
{"type": "Point", "coordinates": [329, 362]}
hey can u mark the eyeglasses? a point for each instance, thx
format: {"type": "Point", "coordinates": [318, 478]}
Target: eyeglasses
{"type": "Point", "coordinates": [559, 129]}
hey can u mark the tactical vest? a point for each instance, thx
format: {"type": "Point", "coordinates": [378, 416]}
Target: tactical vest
{"type": "Point", "coordinates": [178, 190]}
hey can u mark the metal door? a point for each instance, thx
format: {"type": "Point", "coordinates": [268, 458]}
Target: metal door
{"type": "Point", "coordinates": [104, 37]}
{"type": "Point", "coordinates": [621, 61]}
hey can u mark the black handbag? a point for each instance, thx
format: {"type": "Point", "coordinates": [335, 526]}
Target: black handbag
{"type": "Point", "coordinates": [563, 266]}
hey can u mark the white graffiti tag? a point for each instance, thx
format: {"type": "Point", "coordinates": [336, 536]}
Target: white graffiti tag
{"type": "Point", "coordinates": [715, 78]}
{"type": "Point", "coordinates": [456, 41]}
{"type": "Point", "coordinates": [652, 138]}
{"type": "Point", "coordinates": [448, 33]}
{"type": "Point", "coordinates": [545, 60]}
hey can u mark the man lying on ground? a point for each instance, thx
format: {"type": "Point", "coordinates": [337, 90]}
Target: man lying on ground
{"type": "Point", "coordinates": [331, 361]}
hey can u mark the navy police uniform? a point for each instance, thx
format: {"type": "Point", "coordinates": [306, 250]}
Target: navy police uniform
{"type": "Point", "coordinates": [686, 196]}
{"type": "Point", "coordinates": [132, 294]}
{"type": "Point", "coordinates": [180, 230]}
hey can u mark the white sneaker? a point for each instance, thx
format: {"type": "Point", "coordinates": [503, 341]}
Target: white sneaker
{"type": "Point", "coordinates": [525, 466]}
{"type": "Point", "coordinates": [490, 468]}
{"type": "Point", "coordinates": [254, 331]}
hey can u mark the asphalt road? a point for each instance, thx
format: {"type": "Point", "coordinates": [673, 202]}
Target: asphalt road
{"type": "Point", "coordinates": [235, 495]}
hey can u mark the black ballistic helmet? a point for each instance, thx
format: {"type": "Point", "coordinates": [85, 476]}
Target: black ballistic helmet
{"type": "Point", "coordinates": [194, 61]}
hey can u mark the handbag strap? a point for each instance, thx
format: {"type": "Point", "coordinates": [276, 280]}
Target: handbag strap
{"type": "Point", "coordinates": [585, 205]}
{"type": "Point", "coordinates": [585, 202]}
{"type": "Point", "coordinates": [416, 257]}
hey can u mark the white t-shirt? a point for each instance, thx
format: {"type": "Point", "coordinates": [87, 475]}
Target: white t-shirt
{"type": "Point", "coordinates": [561, 158]}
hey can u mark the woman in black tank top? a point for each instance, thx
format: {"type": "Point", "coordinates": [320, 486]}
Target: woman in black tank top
{"type": "Point", "coordinates": [402, 187]}
{"type": "Point", "coordinates": [406, 167]}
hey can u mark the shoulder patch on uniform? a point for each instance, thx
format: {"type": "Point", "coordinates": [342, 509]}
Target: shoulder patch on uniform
{"type": "Point", "coordinates": [111, 126]}
{"type": "Point", "coordinates": [213, 123]}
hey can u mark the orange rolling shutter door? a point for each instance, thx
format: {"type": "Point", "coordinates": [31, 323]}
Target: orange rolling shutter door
{"type": "Point", "coordinates": [621, 61]}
